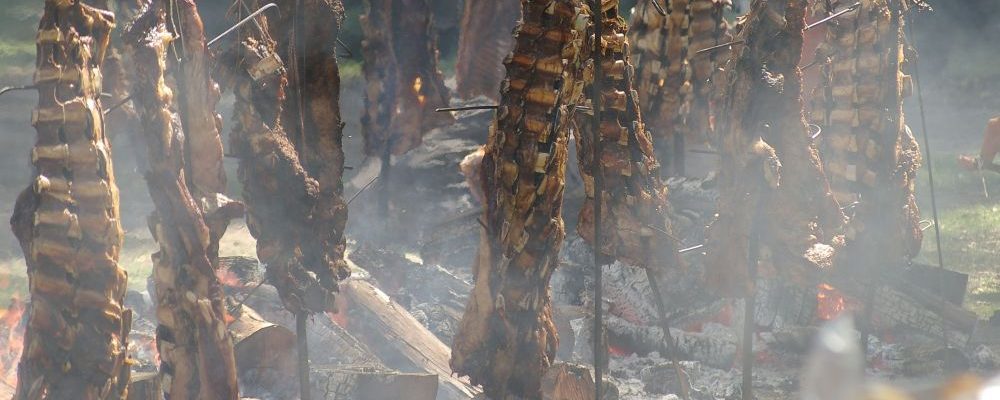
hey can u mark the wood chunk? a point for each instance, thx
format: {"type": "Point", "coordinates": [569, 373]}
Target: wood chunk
{"type": "Point", "coordinates": [265, 352]}
{"type": "Point", "coordinates": [368, 383]}
{"type": "Point", "coordinates": [568, 382]}
{"type": "Point", "coordinates": [145, 386]}
{"type": "Point", "coordinates": [400, 340]}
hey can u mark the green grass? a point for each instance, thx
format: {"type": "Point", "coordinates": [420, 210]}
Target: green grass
{"type": "Point", "coordinates": [970, 228]}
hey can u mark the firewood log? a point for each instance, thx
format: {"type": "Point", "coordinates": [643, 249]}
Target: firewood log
{"type": "Point", "coordinates": [399, 340]}
{"type": "Point", "coordinates": [869, 155]}
{"type": "Point", "coordinates": [67, 221]}
{"type": "Point", "coordinates": [771, 182]}
{"type": "Point", "coordinates": [635, 228]}
{"type": "Point", "coordinates": [568, 382]}
{"type": "Point", "coordinates": [194, 346]}
{"type": "Point", "coordinates": [405, 85]}
{"type": "Point", "coordinates": [507, 338]}
{"type": "Point", "coordinates": [265, 353]}
{"type": "Point", "coordinates": [483, 43]}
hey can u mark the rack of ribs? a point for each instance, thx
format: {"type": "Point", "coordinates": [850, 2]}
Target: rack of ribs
{"type": "Point", "coordinates": [507, 339]}
{"type": "Point", "coordinates": [284, 203]}
{"type": "Point", "coordinates": [869, 154]}
{"type": "Point", "coordinates": [771, 181]}
{"type": "Point", "coordinates": [313, 126]}
{"type": "Point", "coordinates": [67, 221]}
{"type": "Point", "coordinates": [635, 228]}
{"type": "Point", "coordinates": [196, 351]}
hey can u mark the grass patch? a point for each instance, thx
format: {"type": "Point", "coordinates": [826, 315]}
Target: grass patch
{"type": "Point", "coordinates": [970, 228]}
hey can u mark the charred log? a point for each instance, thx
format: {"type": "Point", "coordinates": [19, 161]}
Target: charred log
{"type": "Point", "coordinates": [634, 222]}
{"type": "Point", "coordinates": [195, 348]}
{"type": "Point", "coordinates": [507, 338]}
{"type": "Point", "coordinates": [768, 165]}
{"type": "Point", "coordinates": [869, 154]}
{"type": "Point", "coordinates": [405, 85]}
{"type": "Point", "coordinates": [483, 43]}
{"type": "Point", "coordinates": [68, 220]}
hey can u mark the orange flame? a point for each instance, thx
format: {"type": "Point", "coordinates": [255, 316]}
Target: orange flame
{"type": "Point", "coordinates": [829, 302]}
{"type": "Point", "coordinates": [11, 341]}
{"type": "Point", "coordinates": [417, 85]}
{"type": "Point", "coordinates": [229, 278]}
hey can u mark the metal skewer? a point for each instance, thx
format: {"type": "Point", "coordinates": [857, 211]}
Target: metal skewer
{"type": "Point", "coordinates": [214, 40]}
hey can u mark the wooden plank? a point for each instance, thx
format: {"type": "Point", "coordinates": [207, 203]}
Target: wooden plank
{"type": "Point", "coordinates": [399, 340]}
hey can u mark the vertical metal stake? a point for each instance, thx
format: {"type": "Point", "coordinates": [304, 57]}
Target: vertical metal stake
{"type": "Point", "coordinates": [303, 349]}
{"type": "Point", "coordinates": [596, 89]}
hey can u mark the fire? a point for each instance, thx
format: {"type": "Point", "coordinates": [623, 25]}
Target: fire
{"type": "Point", "coordinates": [340, 316]}
{"type": "Point", "coordinates": [417, 85]}
{"type": "Point", "coordinates": [618, 351]}
{"type": "Point", "coordinates": [229, 278]}
{"type": "Point", "coordinates": [829, 302]}
{"type": "Point", "coordinates": [11, 341]}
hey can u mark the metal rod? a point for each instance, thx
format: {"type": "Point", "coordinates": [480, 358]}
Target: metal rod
{"type": "Point", "coordinates": [363, 188]}
{"type": "Point", "coordinates": [658, 7]}
{"type": "Point", "coordinates": [808, 27]}
{"type": "Point", "coordinates": [15, 88]}
{"type": "Point", "coordinates": [661, 310]}
{"type": "Point", "coordinates": [719, 46]}
{"type": "Point", "coordinates": [748, 357]}
{"type": "Point", "coordinates": [384, 172]}
{"type": "Point", "coordinates": [214, 40]}
{"type": "Point", "coordinates": [749, 325]}
{"type": "Point", "coordinates": [595, 95]}
{"type": "Point", "coordinates": [301, 320]}
{"type": "Point", "coordinates": [849, 8]}
{"type": "Point", "coordinates": [467, 108]}
{"type": "Point", "coordinates": [927, 151]}
{"type": "Point", "coordinates": [664, 233]}
{"type": "Point", "coordinates": [242, 21]}
{"type": "Point", "coordinates": [350, 54]}
{"type": "Point", "coordinates": [690, 249]}
{"type": "Point", "coordinates": [247, 297]}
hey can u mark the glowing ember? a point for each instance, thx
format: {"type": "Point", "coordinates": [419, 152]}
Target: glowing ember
{"type": "Point", "coordinates": [417, 85]}
{"type": "Point", "coordinates": [339, 317]}
{"type": "Point", "coordinates": [11, 341]}
{"type": "Point", "coordinates": [618, 351]}
{"type": "Point", "coordinates": [229, 278]}
{"type": "Point", "coordinates": [829, 302]}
